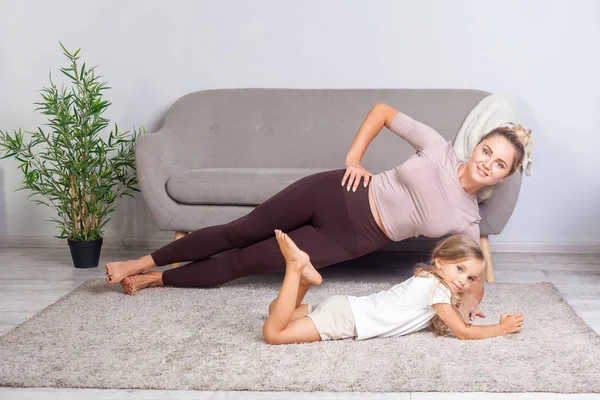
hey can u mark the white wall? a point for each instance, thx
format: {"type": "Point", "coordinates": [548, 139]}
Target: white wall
{"type": "Point", "coordinates": [545, 53]}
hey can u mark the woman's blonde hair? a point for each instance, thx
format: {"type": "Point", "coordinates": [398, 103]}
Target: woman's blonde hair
{"type": "Point", "coordinates": [453, 249]}
{"type": "Point", "coordinates": [520, 138]}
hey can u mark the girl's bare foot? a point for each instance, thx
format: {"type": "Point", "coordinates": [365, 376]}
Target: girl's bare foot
{"type": "Point", "coordinates": [117, 271]}
{"type": "Point", "coordinates": [133, 284]}
{"type": "Point", "coordinates": [297, 259]}
{"type": "Point", "coordinates": [310, 276]}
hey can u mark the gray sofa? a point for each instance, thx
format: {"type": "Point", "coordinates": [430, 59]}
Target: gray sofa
{"type": "Point", "coordinates": [221, 152]}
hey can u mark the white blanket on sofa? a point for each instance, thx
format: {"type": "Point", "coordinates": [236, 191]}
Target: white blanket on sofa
{"type": "Point", "coordinates": [492, 112]}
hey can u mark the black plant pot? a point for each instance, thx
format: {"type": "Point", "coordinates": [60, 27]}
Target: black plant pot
{"type": "Point", "coordinates": [85, 253]}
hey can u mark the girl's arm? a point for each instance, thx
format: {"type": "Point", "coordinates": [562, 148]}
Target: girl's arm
{"type": "Point", "coordinates": [379, 116]}
{"type": "Point", "coordinates": [509, 323]}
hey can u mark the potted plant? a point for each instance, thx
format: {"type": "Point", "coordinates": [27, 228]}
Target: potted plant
{"type": "Point", "coordinates": [72, 168]}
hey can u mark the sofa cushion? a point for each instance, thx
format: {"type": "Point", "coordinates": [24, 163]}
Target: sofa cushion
{"type": "Point", "coordinates": [232, 186]}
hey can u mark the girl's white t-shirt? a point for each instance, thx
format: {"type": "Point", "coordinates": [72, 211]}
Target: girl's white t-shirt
{"type": "Point", "coordinates": [400, 310]}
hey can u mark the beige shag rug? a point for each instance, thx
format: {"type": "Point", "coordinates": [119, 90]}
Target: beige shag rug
{"type": "Point", "coordinates": [210, 339]}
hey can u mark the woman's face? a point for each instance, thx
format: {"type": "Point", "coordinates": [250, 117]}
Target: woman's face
{"type": "Point", "coordinates": [491, 160]}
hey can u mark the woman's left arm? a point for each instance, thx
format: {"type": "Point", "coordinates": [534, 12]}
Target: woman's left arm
{"type": "Point", "coordinates": [473, 232]}
{"type": "Point", "coordinates": [471, 299]}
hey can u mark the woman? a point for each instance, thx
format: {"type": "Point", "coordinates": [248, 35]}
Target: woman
{"type": "Point", "coordinates": [433, 194]}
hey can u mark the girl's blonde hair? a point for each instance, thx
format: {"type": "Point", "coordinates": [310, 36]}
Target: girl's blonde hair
{"type": "Point", "coordinates": [520, 138]}
{"type": "Point", "coordinates": [453, 249]}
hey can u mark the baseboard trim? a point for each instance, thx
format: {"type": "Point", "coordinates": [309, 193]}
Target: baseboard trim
{"type": "Point", "coordinates": [545, 247]}
{"type": "Point", "coordinates": [424, 245]}
{"type": "Point", "coordinates": [109, 243]}
{"type": "Point", "coordinates": [146, 243]}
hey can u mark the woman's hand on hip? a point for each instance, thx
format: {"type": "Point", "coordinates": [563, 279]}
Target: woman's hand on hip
{"type": "Point", "coordinates": [354, 172]}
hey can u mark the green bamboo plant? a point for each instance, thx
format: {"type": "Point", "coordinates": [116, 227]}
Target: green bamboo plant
{"type": "Point", "coordinates": [72, 168]}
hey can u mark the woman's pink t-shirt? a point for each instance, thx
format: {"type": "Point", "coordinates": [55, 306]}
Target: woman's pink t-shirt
{"type": "Point", "coordinates": [423, 196]}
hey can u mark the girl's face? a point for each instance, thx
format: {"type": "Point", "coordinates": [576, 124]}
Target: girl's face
{"type": "Point", "coordinates": [459, 276]}
{"type": "Point", "coordinates": [491, 160]}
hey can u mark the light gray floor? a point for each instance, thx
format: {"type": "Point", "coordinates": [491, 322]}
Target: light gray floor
{"type": "Point", "coordinates": [35, 278]}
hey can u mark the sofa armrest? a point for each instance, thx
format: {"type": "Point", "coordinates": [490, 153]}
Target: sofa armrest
{"type": "Point", "coordinates": [496, 211]}
{"type": "Point", "coordinates": [156, 160]}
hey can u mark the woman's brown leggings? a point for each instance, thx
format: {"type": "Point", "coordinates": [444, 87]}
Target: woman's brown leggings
{"type": "Point", "coordinates": [325, 220]}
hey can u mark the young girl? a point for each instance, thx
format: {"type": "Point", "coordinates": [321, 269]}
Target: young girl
{"type": "Point", "coordinates": [431, 297]}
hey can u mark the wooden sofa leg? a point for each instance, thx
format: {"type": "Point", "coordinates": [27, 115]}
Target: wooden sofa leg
{"type": "Point", "coordinates": [489, 266]}
{"type": "Point", "coordinates": [178, 235]}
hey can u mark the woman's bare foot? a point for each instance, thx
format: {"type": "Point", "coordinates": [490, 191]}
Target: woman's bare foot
{"type": "Point", "coordinates": [117, 271]}
{"type": "Point", "coordinates": [297, 259]}
{"type": "Point", "coordinates": [133, 284]}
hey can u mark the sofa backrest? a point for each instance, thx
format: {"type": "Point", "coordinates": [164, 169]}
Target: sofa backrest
{"type": "Point", "coordinates": [303, 127]}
